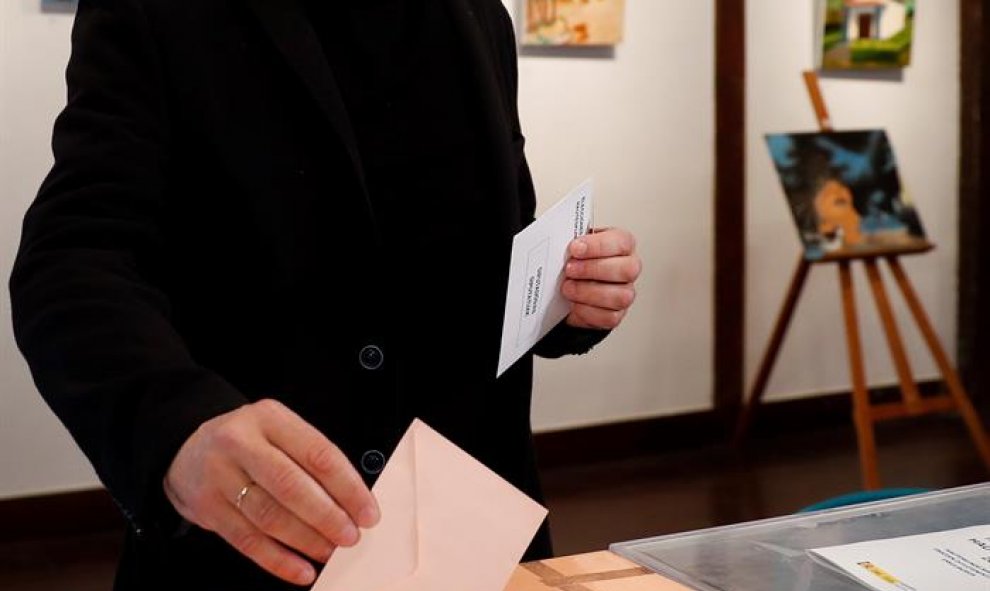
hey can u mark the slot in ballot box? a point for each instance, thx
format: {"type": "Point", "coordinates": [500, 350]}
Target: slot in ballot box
{"type": "Point", "coordinates": [771, 555]}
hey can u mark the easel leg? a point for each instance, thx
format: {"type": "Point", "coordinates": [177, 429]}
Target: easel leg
{"type": "Point", "coordinates": [909, 389]}
{"type": "Point", "coordinates": [861, 401]}
{"type": "Point", "coordinates": [773, 349]}
{"type": "Point", "coordinates": [952, 381]}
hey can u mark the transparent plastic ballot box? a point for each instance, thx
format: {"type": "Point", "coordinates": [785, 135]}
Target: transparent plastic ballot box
{"type": "Point", "coordinates": [771, 555]}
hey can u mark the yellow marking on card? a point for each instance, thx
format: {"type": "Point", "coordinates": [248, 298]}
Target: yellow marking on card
{"type": "Point", "coordinates": [879, 572]}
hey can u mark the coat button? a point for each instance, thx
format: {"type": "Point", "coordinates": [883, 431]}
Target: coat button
{"type": "Point", "coordinates": [371, 357]}
{"type": "Point", "coordinates": [372, 461]}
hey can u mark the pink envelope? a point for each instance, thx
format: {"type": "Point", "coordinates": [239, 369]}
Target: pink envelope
{"type": "Point", "coordinates": [448, 524]}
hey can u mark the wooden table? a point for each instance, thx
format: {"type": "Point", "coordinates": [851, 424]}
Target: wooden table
{"type": "Point", "coordinates": [598, 571]}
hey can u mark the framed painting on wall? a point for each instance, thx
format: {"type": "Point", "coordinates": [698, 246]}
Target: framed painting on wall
{"type": "Point", "coordinates": [573, 22]}
{"type": "Point", "coordinates": [865, 34]}
{"type": "Point", "coordinates": [845, 193]}
{"type": "Point", "coordinates": [58, 5]}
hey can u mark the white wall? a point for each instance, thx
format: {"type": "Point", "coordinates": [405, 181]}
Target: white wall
{"type": "Point", "coordinates": [921, 115]}
{"type": "Point", "coordinates": [641, 123]}
{"type": "Point", "coordinates": [36, 454]}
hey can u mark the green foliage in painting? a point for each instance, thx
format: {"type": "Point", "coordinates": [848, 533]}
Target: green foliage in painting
{"type": "Point", "coordinates": [891, 51]}
{"type": "Point", "coordinates": [833, 38]}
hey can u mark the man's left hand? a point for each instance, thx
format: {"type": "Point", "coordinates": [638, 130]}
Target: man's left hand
{"type": "Point", "coordinates": [600, 278]}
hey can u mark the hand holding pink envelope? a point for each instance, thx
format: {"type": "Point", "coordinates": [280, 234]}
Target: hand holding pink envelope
{"type": "Point", "coordinates": [448, 524]}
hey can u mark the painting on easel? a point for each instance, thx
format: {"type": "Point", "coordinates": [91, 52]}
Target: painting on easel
{"type": "Point", "coordinates": [865, 34]}
{"type": "Point", "coordinates": [574, 22]}
{"type": "Point", "coordinates": [845, 192]}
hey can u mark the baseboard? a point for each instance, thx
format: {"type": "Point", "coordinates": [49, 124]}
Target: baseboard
{"type": "Point", "coordinates": [63, 514]}
{"type": "Point", "coordinates": [92, 511]}
{"type": "Point", "coordinates": [709, 428]}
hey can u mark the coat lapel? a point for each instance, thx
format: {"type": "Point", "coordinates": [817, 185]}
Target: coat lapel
{"type": "Point", "coordinates": [481, 55]}
{"type": "Point", "coordinates": [286, 23]}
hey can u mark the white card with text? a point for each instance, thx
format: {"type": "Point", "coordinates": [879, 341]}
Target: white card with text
{"type": "Point", "coordinates": [533, 302]}
{"type": "Point", "coordinates": [954, 560]}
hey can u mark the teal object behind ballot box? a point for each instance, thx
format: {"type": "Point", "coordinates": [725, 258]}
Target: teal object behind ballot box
{"type": "Point", "coordinates": [866, 496]}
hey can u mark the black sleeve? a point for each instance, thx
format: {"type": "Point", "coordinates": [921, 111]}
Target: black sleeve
{"type": "Point", "coordinates": [563, 339]}
{"type": "Point", "coordinates": [88, 315]}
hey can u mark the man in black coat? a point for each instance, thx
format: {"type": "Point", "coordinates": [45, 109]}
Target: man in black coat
{"type": "Point", "coordinates": [275, 232]}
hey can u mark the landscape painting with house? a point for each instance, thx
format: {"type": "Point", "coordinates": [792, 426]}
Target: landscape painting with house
{"type": "Point", "coordinates": [867, 34]}
{"type": "Point", "coordinates": [573, 22]}
{"type": "Point", "coordinates": [845, 192]}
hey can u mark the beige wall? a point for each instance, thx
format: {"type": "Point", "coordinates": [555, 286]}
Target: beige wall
{"type": "Point", "coordinates": [36, 454]}
{"type": "Point", "coordinates": [640, 122]}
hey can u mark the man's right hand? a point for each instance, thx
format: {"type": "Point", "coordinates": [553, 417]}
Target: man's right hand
{"type": "Point", "coordinates": [302, 495]}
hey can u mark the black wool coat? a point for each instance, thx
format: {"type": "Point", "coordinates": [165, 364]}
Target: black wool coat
{"type": "Point", "coordinates": [205, 239]}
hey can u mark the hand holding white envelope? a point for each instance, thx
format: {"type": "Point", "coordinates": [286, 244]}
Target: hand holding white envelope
{"type": "Point", "coordinates": [533, 302]}
{"type": "Point", "coordinates": [448, 524]}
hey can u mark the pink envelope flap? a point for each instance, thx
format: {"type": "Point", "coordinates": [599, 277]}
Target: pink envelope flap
{"type": "Point", "coordinates": [448, 524]}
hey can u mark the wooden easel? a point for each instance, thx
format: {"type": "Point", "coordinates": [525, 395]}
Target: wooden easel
{"type": "Point", "coordinates": [866, 414]}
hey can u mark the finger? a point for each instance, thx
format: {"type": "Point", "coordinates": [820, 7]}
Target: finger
{"type": "Point", "coordinates": [265, 513]}
{"type": "Point", "coordinates": [260, 548]}
{"type": "Point", "coordinates": [624, 269]}
{"type": "Point", "coordinates": [613, 242]}
{"type": "Point", "coordinates": [610, 296]}
{"type": "Point", "coordinates": [325, 463]}
{"type": "Point", "coordinates": [583, 316]}
{"type": "Point", "coordinates": [298, 492]}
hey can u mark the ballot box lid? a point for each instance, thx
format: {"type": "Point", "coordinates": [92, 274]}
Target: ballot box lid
{"type": "Point", "coordinates": [772, 554]}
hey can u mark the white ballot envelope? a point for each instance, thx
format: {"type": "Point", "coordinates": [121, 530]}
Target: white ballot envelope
{"type": "Point", "coordinates": [448, 524]}
{"type": "Point", "coordinates": [533, 302]}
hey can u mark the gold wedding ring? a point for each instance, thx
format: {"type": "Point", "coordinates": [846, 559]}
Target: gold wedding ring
{"type": "Point", "coordinates": [243, 493]}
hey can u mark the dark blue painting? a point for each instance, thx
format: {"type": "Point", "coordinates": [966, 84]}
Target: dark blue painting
{"type": "Point", "coordinates": [845, 192]}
